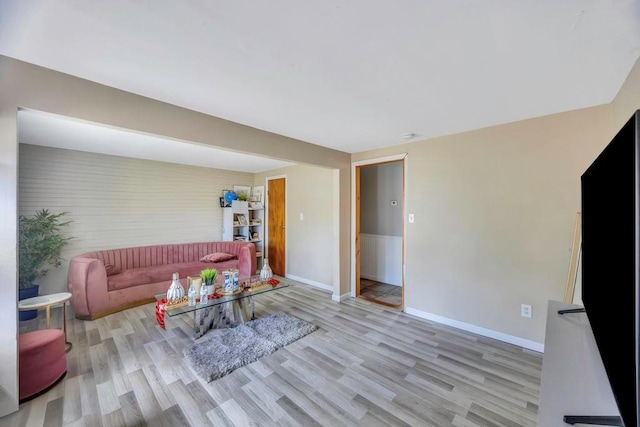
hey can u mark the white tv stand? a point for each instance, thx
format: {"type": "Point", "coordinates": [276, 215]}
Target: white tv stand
{"type": "Point", "coordinates": [574, 381]}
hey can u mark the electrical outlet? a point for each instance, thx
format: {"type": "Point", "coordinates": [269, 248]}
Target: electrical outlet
{"type": "Point", "coordinates": [412, 218]}
{"type": "Point", "coordinates": [526, 311]}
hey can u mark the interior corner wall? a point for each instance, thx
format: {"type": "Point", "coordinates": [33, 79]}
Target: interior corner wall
{"type": "Point", "coordinates": [310, 238]}
{"type": "Point", "coordinates": [119, 202]}
{"type": "Point", "coordinates": [627, 101]}
{"type": "Point", "coordinates": [494, 217]}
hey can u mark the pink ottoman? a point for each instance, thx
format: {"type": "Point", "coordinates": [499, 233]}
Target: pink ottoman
{"type": "Point", "coordinates": [42, 361]}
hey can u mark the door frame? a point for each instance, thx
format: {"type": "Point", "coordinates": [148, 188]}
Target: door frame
{"type": "Point", "coordinates": [355, 182]}
{"type": "Point", "coordinates": [286, 220]}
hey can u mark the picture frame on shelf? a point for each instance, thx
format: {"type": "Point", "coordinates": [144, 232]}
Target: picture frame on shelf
{"type": "Point", "coordinates": [242, 220]}
{"type": "Point", "coordinates": [243, 191]}
{"type": "Point", "coordinates": [223, 204]}
{"type": "Point", "coordinates": [257, 194]}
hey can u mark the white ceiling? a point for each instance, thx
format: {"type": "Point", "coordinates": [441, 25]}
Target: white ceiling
{"type": "Point", "coordinates": [50, 130]}
{"type": "Point", "coordinates": [347, 74]}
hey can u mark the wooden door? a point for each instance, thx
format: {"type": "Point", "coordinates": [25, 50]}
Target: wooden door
{"type": "Point", "coordinates": [276, 197]}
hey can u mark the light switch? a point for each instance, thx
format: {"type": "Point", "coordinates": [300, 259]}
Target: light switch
{"type": "Point", "coordinates": [301, 216]}
{"type": "Point", "coordinates": [412, 218]}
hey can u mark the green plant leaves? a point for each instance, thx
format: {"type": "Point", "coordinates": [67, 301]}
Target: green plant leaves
{"type": "Point", "coordinates": [209, 275]}
{"type": "Point", "coordinates": [40, 242]}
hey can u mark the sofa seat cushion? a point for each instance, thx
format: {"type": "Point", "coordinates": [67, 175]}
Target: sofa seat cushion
{"type": "Point", "coordinates": [158, 273]}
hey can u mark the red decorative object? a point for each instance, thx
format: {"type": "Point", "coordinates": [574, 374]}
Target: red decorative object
{"type": "Point", "coordinates": [161, 306]}
{"type": "Point", "coordinates": [273, 282]}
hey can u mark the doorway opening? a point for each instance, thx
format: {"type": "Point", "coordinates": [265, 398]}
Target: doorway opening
{"type": "Point", "coordinates": [379, 231]}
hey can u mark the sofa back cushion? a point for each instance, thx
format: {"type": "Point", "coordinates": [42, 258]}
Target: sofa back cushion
{"type": "Point", "coordinates": [150, 256]}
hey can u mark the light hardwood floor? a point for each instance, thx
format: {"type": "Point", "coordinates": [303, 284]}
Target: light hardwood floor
{"type": "Point", "coordinates": [382, 293]}
{"type": "Point", "coordinates": [366, 365]}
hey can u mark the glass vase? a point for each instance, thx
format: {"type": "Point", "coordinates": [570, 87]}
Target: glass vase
{"type": "Point", "coordinates": [265, 273]}
{"type": "Point", "coordinates": [176, 291]}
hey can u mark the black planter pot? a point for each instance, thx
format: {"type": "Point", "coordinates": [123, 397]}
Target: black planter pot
{"type": "Point", "coordinates": [24, 294]}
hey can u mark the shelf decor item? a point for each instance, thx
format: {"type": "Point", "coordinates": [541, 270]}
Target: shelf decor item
{"type": "Point", "coordinates": [265, 273]}
{"type": "Point", "coordinates": [230, 196]}
{"type": "Point", "coordinates": [243, 191]}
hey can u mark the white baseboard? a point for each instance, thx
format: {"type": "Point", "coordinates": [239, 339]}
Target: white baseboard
{"type": "Point", "coordinates": [511, 339]}
{"type": "Point", "coordinates": [340, 298]}
{"type": "Point", "coordinates": [310, 282]}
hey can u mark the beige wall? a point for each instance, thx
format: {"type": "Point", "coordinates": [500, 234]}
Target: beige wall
{"type": "Point", "coordinates": [8, 257]}
{"type": "Point", "coordinates": [379, 185]}
{"type": "Point", "coordinates": [494, 215]}
{"type": "Point", "coordinates": [628, 99]}
{"type": "Point", "coordinates": [24, 85]}
{"type": "Point", "coordinates": [310, 191]}
{"type": "Point", "coordinates": [116, 202]}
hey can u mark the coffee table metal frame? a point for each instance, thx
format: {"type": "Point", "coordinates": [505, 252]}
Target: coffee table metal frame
{"type": "Point", "coordinates": [226, 311]}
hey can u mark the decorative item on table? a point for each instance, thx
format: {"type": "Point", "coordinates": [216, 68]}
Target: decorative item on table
{"type": "Point", "coordinates": [175, 294]}
{"type": "Point", "coordinates": [161, 307]}
{"type": "Point", "coordinates": [204, 297]}
{"type": "Point", "coordinates": [231, 283]}
{"type": "Point", "coordinates": [209, 276]}
{"type": "Point", "coordinates": [191, 295]}
{"type": "Point", "coordinates": [197, 283]}
{"type": "Point", "coordinates": [257, 284]}
{"type": "Point", "coordinates": [265, 273]}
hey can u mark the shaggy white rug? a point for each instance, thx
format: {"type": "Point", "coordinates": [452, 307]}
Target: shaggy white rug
{"type": "Point", "coordinates": [229, 349]}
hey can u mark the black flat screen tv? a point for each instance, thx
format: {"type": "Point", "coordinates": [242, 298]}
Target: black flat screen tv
{"type": "Point", "coordinates": [610, 261]}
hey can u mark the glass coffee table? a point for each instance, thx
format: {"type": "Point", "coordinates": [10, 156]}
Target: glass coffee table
{"type": "Point", "coordinates": [223, 311]}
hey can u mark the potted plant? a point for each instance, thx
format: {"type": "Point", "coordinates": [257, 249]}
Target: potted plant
{"type": "Point", "coordinates": [40, 243]}
{"type": "Point", "coordinates": [209, 277]}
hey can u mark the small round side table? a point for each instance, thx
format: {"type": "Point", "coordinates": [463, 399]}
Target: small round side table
{"type": "Point", "coordinates": [46, 302]}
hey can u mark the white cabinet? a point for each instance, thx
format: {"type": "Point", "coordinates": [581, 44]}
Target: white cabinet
{"type": "Point", "coordinates": [256, 232]}
{"type": "Point", "coordinates": [239, 222]}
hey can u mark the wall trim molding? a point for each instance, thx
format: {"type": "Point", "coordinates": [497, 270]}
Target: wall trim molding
{"type": "Point", "coordinates": [340, 298]}
{"type": "Point", "coordinates": [310, 282]}
{"type": "Point", "coordinates": [500, 336]}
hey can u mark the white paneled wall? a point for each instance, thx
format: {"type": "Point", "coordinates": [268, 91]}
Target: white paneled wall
{"type": "Point", "coordinates": [116, 202]}
{"type": "Point", "coordinates": [381, 258]}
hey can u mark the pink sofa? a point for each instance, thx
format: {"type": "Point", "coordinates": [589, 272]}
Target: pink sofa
{"type": "Point", "coordinates": [105, 282]}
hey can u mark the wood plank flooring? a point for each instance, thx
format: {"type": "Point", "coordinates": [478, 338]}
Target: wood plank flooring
{"type": "Point", "coordinates": [382, 293]}
{"type": "Point", "coordinates": [366, 365]}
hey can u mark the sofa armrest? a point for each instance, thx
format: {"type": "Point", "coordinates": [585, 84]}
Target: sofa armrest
{"type": "Point", "coordinates": [88, 286]}
{"type": "Point", "coordinates": [247, 262]}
